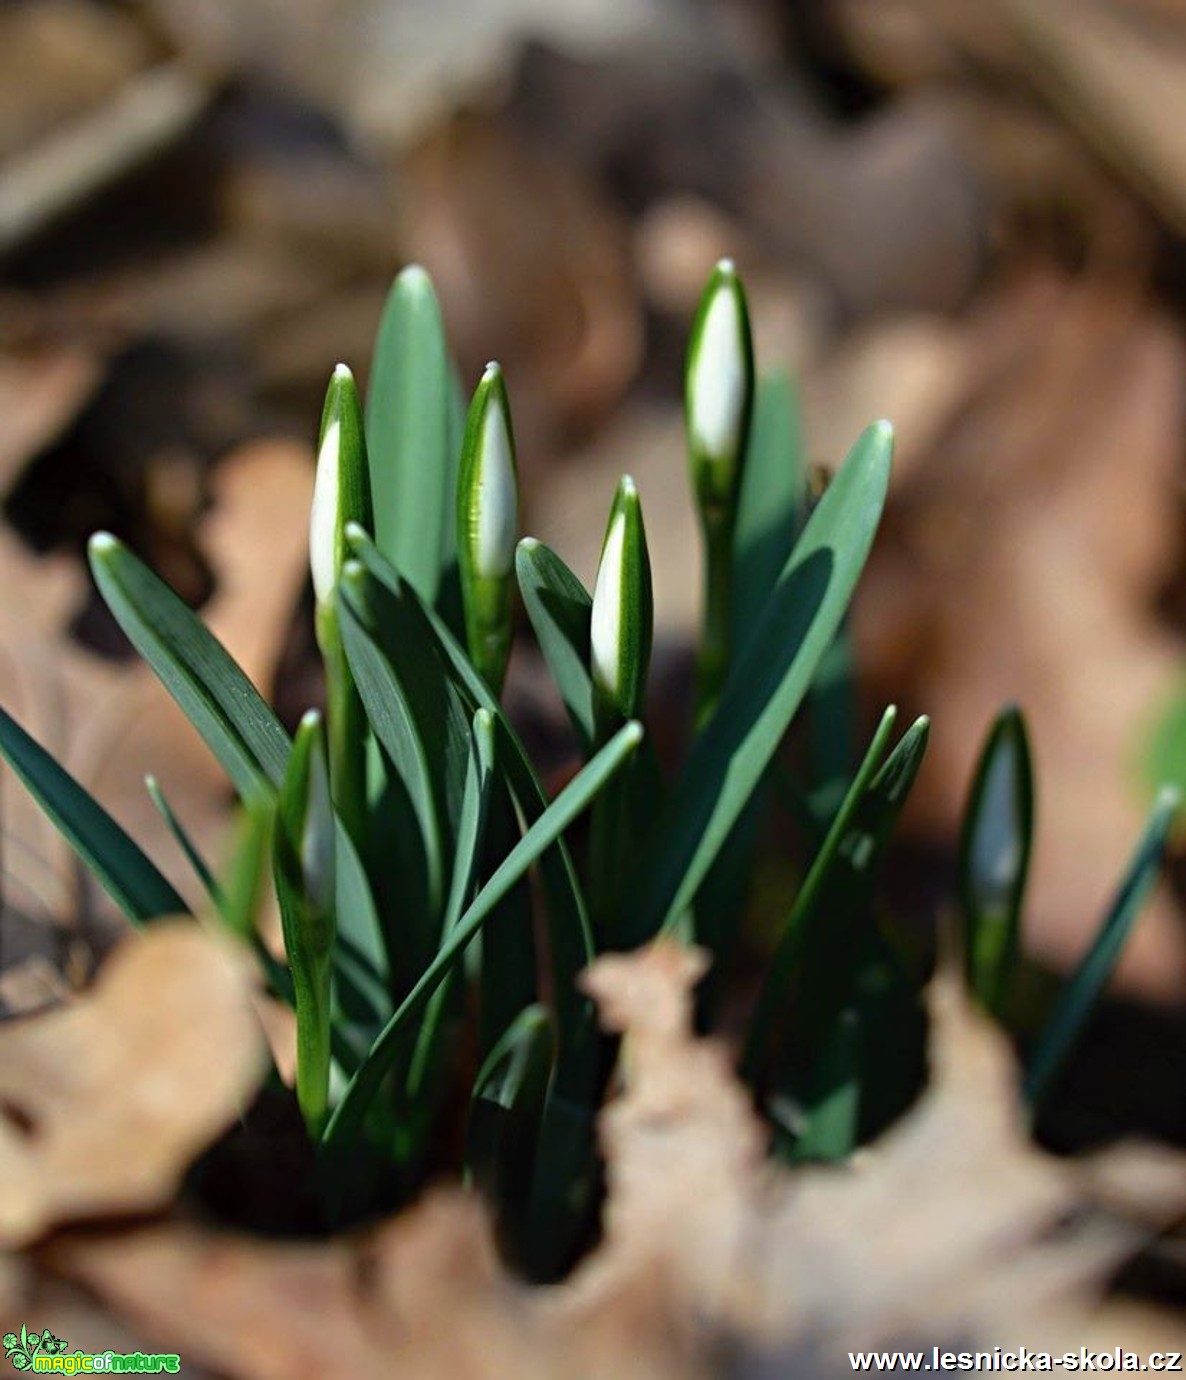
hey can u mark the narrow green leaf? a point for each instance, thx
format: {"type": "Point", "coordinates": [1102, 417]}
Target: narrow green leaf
{"type": "Point", "coordinates": [1085, 987]}
{"type": "Point", "coordinates": [995, 843]}
{"type": "Point", "coordinates": [242, 890]}
{"type": "Point", "coordinates": [771, 503]}
{"type": "Point", "coordinates": [570, 940]}
{"type": "Point", "coordinates": [767, 683]}
{"type": "Point", "coordinates": [570, 803]}
{"type": "Point", "coordinates": [409, 429]}
{"type": "Point", "coordinates": [831, 1111]}
{"type": "Point", "coordinates": [418, 718]}
{"type": "Point", "coordinates": [844, 962]}
{"type": "Point", "coordinates": [304, 871]}
{"type": "Point", "coordinates": [184, 842]}
{"type": "Point", "coordinates": [196, 669]}
{"type": "Point", "coordinates": [506, 1110]}
{"type": "Point", "coordinates": [805, 909]}
{"type": "Point", "coordinates": [560, 609]}
{"type": "Point", "coordinates": [129, 878]}
{"type": "Point", "coordinates": [471, 836]}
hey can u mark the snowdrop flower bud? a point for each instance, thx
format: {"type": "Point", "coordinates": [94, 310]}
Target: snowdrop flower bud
{"type": "Point", "coordinates": [487, 520]}
{"type": "Point", "coordinates": [341, 490]}
{"type": "Point", "coordinates": [718, 391]}
{"type": "Point", "coordinates": [623, 610]}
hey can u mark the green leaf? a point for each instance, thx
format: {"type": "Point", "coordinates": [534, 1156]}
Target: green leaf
{"type": "Point", "coordinates": [806, 908]}
{"type": "Point", "coordinates": [471, 835]}
{"type": "Point", "coordinates": [995, 843]}
{"type": "Point", "coordinates": [409, 432]}
{"type": "Point", "coordinates": [304, 870]}
{"type": "Point", "coordinates": [766, 684]}
{"type": "Point", "coordinates": [1083, 990]}
{"type": "Point", "coordinates": [771, 502]}
{"type": "Point", "coordinates": [570, 941]}
{"type": "Point", "coordinates": [843, 961]}
{"type": "Point", "coordinates": [184, 842]}
{"type": "Point", "coordinates": [251, 851]}
{"type": "Point", "coordinates": [129, 878]}
{"type": "Point", "coordinates": [505, 1115]}
{"type": "Point", "coordinates": [831, 1111]}
{"type": "Point", "coordinates": [570, 803]}
{"type": "Point", "coordinates": [196, 669]}
{"type": "Point", "coordinates": [418, 718]}
{"type": "Point", "coordinates": [560, 609]}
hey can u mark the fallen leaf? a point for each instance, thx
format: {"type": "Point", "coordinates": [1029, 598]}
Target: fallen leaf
{"type": "Point", "coordinates": [953, 1226]}
{"type": "Point", "coordinates": [105, 1102]}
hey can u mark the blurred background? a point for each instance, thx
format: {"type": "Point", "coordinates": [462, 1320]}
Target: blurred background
{"type": "Point", "coordinates": [965, 215]}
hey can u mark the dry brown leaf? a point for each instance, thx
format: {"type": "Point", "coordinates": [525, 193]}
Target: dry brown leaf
{"type": "Point", "coordinates": [1021, 560]}
{"type": "Point", "coordinates": [107, 1101]}
{"type": "Point", "coordinates": [953, 1225]}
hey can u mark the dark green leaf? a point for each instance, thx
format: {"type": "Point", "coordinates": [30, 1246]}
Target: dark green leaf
{"type": "Point", "coordinates": [574, 799]}
{"type": "Point", "coordinates": [806, 908]}
{"type": "Point", "coordinates": [771, 504]}
{"type": "Point", "coordinates": [195, 668]}
{"type": "Point", "coordinates": [995, 844]}
{"type": "Point", "coordinates": [129, 878]}
{"type": "Point", "coordinates": [766, 684]}
{"type": "Point", "coordinates": [409, 432]}
{"type": "Point", "coordinates": [570, 942]}
{"type": "Point", "coordinates": [505, 1115]}
{"type": "Point", "coordinates": [560, 608]}
{"type": "Point", "coordinates": [184, 842]}
{"type": "Point", "coordinates": [1081, 993]}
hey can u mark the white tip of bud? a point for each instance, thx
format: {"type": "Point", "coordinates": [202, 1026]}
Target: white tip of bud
{"type": "Point", "coordinates": [497, 497]}
{"type": "Point", "coordinates": [605, 632]}
{"type": "Point", "coordinates": [718, 379]}
{"type": "Point", "coordinates": [323, 518]}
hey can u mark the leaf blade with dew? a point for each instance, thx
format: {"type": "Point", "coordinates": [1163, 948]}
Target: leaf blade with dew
{"type": "Point", "coordinates": [996, 840]}
{"type": "Point", "coordinates": [767, 683]}
{"type": "Point", "coordinates": [132, 881]}
{"type": "Point", "coordinates": [808, 897]}
{"type": "Point", "coordinates": [560, 609]}
{"type": "Point", "coordinates": [1086, 985]}
{"type": "Point", "coordinates": [408, 431]}
{"type": "Point", "coordinates": [194, 667]}
{"type": "Point", "coordinates": [562, 811]}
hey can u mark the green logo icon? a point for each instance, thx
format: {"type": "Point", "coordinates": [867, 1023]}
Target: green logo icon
{"type": "Point", "coordinates": [21, 1350]}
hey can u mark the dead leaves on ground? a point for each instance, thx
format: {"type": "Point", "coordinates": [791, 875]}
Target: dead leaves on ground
{"type": "Point", "coordinates": [104, 1103]}
{"type": "Point", "coordinates": [953, 1227]}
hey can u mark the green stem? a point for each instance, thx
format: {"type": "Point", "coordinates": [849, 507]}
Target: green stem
{"type": "Point", "coordinates": [313, 1046]}
{"type": "Point", "coordinates": [346, 735]}
{"type": "Point", "coordinates": [716, 633]}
